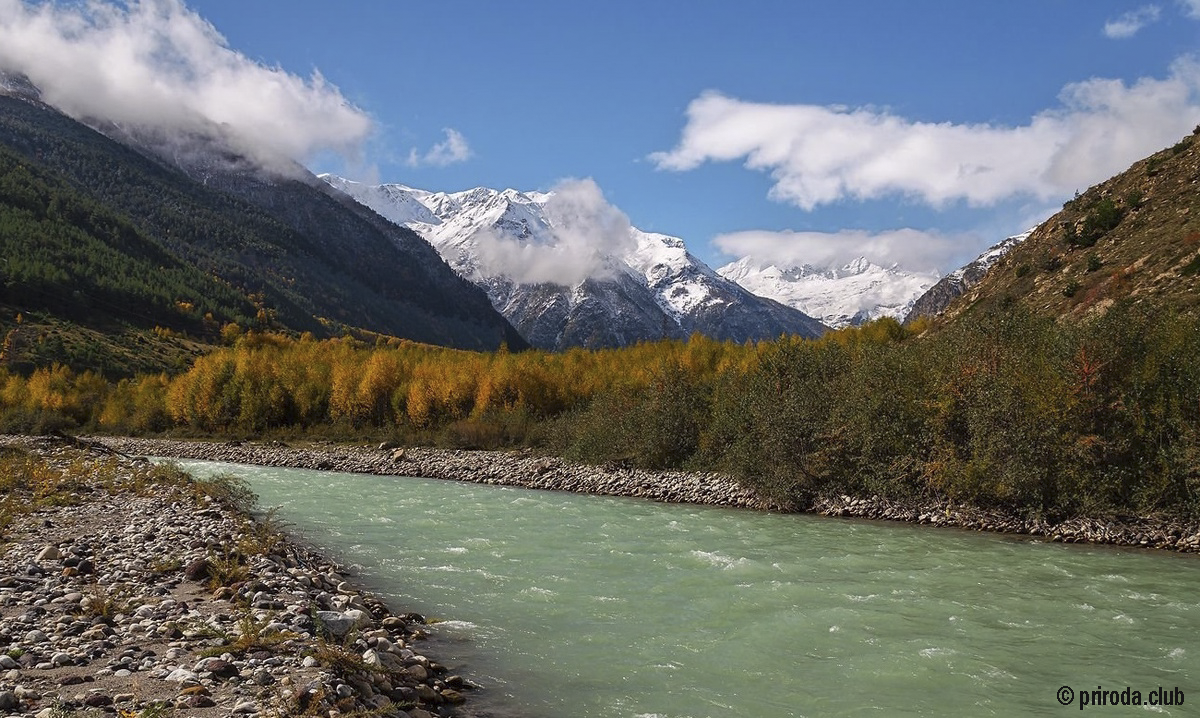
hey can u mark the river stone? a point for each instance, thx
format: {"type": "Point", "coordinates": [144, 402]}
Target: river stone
{"type": "Point", "coordinates": [8, 701]}
{"type": "Point", "coordinates": [335, 623]}
{"type": "Point", "coordinates": [218, 667]}
{"type": "Point", "coordinates": [36, 636]}
{"type": "Point", "coordinates": [182, 675]}
{"type": "Point", "coordinates": [50, 553]}
{"type": "Point", "coordinates": [197, 570]}
{"type": "Point", "coordinates": [394, 623]}
{"type": "Point", "coordinates": [97, 700]}
{"type": "Point", "coordinates": [7, 662]}
{"type": "Point", "coordinates": [196, 701]}
{"type": "Point", "coordinates": [339, 623]}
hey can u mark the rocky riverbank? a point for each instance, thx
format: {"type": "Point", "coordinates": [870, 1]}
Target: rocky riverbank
{"type": "Point", "coordinates": [506, 468]}
{"type": "Point", "coordinates": [1141, 532]}
{"type": "Point", "coordinates": [524, 469]}
{"type": "Point", "coordinates": [126, 589]}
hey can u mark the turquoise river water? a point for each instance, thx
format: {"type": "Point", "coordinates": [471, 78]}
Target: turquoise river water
{"type": "Point", "coordinates": [571, 606]}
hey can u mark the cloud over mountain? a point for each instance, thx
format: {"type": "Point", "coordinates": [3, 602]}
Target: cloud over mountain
{"type": "Point", "coordinates": [452, 150]}
{"type": "Point", "coordinates": [585, 231]}
{"type": "Point", "coordinates": [818, 155]}
{"type": "Point", "coordinates": [909, 248]}
{"type": "Point", "coordinates": [157, 64]}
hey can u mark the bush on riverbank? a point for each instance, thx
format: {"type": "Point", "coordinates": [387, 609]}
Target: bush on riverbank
{"type": "Point", "coordinates": [1001, 410]}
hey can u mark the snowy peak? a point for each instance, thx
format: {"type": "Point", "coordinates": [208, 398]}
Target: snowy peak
{"type": "Point", "coordinates": [394, 202]}
{"type": "Point", "coordinates": [567, 269]}
{"type": "Point", "coordinates": [838, 295]}
{"type": "Point", "coordinates": [984, 262]}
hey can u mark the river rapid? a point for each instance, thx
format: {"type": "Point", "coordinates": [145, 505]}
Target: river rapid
{"type": "Point", "coordinates": [564, 604]}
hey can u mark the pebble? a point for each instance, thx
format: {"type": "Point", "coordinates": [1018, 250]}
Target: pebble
{"type": "Point", "coordinates": [182, 675]}
{"type": "Point", "coordinates": [36, 637]}
{"type": "Point", "coordinates": [50, 553]}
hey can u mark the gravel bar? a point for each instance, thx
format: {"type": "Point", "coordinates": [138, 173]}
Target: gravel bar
{"type": "Point", "coordinates": [109, 606]}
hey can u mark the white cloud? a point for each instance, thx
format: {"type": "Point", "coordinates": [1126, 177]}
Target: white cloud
{"type": "Point", "coordinates": [157, 64]}
{"type": "Point", "coordinates": [1191, 8]}
{"type": "Point", "coordinates": [818, 155]}
{"type": "Point", "coordinates": [585, 231]}
{"type": "Point", "coordinates": [1131, 22]}
{"type": "Point", "coordinates": [912, 249]}
{"type": "Point", "coordinates": [452, 150]}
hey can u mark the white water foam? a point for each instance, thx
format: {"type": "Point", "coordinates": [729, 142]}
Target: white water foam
{"type": "Point", "coordinates": [935, 651]}
{"type": "Point", "coordinates": [720, 560]}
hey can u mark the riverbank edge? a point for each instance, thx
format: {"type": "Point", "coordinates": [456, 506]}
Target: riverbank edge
{"type": "Point", "coordinates": [524, 469]}
{"type": "Point", "coordinates": [346, 652]}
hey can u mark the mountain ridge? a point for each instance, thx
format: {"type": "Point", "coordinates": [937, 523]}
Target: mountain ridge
{"type": "Point", "coordinates": [637, 286]}
{"type": "Point", "coordinates": [1134, 238]}
{"type": "Point", "coordinates": [948, 288]}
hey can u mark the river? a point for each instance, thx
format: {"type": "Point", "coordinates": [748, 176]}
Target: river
{"type": "Point", "coordinates": [566, 605]}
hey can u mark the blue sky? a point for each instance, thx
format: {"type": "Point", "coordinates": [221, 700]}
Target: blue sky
{"type": "Point", "coordinates": [779, 128]}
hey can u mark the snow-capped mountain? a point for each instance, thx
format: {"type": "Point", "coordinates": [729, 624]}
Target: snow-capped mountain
{"type": "Point", "coordinates": [939, 296]}
{"type": "Point", "coordinates": [851, 294]}
{"type": "Point", "coordinates": [570, 271]}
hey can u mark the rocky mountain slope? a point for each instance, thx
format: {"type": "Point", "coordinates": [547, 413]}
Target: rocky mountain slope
{"type": "Point", "coordinates": [635, 286]}
{"type": "Point", "coordinates": [1134, 237]}
{"type": "Point", "coordinates": [949, 287]}
{"type": "Point", "coordinates": [289, 252]}
{"type": "Point", "coordinates": [839, 296]}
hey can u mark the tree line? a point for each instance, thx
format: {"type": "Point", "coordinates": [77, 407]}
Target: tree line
{"type": "Point", "coordinates": [1001, 409]}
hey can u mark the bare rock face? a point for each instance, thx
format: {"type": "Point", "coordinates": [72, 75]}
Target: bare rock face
{"type": "Point", "coordinates": [953, 285]}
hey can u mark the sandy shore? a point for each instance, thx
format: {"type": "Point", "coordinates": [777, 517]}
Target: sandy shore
{"type": "Point", "coordinates": [524, 469]}
{"type": "Point", "coordinates": [122, 591]}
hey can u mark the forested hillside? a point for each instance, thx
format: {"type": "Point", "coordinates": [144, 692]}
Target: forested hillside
{"type": "Point", "coordinates": [280, 253]}
{"type": "Point", "coordinates": [82, 284]}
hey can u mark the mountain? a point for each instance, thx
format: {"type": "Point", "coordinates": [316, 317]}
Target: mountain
{"type": "Point", "coordinates": [264, 248]}
{"type": "Point", "coordinates": [949, 287]}
{"type": "Point", "coordinates": [839, 296]}
{"type": "Point", "coordinates": [609, 289]}
{"type": "Point", "coordinates": [1132, 238]}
